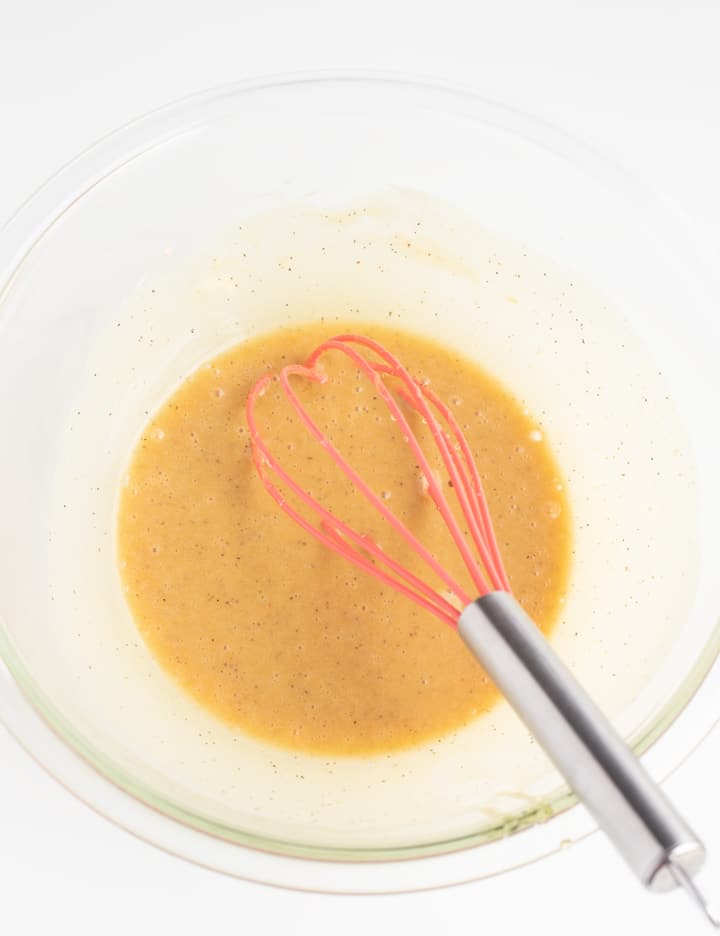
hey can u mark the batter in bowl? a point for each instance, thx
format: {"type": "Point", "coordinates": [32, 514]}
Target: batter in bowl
{"type": "Point", "coordinates": [265, 627]}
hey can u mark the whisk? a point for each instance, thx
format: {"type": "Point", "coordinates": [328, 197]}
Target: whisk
{"type": "Point", "coordinates": [655, 841]}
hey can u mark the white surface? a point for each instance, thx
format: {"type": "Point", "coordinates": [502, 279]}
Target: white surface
{"type": "Point", "coordinates": [639, 80]}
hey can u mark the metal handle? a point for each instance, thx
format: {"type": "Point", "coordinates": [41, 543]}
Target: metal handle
{"type": "Point", "coordinates": [656, 842]}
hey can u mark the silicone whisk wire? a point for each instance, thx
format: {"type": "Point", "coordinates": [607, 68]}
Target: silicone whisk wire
{"type": "Point", "coordinates": [480, 553]}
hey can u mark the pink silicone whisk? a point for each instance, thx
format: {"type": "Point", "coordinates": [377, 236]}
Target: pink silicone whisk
{"type": "Point", "coordinates": [632, 810]}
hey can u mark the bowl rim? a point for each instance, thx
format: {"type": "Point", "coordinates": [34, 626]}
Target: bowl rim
{"type": "Point", "coordinates": [26, 227]}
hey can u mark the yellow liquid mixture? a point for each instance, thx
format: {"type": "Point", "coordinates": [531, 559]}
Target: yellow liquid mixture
{"type": "Point", "coordinates": [266, 627]}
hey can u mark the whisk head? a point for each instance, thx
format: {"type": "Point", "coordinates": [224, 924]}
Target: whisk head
{"type": "Point", "coordinates": [468, 521]}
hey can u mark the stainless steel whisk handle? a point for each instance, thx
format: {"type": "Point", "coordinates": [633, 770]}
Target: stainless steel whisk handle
{"type": "Point", "coordinates": [626, 803]}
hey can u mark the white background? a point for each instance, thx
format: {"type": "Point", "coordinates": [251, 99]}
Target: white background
{"type": "Point", "coordinates": [640, 81]}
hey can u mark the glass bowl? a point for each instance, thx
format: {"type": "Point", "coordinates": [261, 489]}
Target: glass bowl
{"type": "Point", "coordinates": [113, 287]}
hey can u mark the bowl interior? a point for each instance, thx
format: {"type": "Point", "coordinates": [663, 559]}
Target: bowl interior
{"type": "Point", "coordinates": [545, 268]}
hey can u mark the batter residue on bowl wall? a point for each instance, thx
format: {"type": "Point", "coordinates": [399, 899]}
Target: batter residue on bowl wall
{"type": "Point", "coordinates": [264, 626]}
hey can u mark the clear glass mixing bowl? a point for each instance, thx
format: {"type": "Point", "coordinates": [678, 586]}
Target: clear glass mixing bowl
{"type": "Point", "coordinates": [74, 261]}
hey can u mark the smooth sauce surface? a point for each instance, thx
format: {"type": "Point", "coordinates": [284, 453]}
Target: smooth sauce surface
{"type": "Point", "coordinates": [267, 628]}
